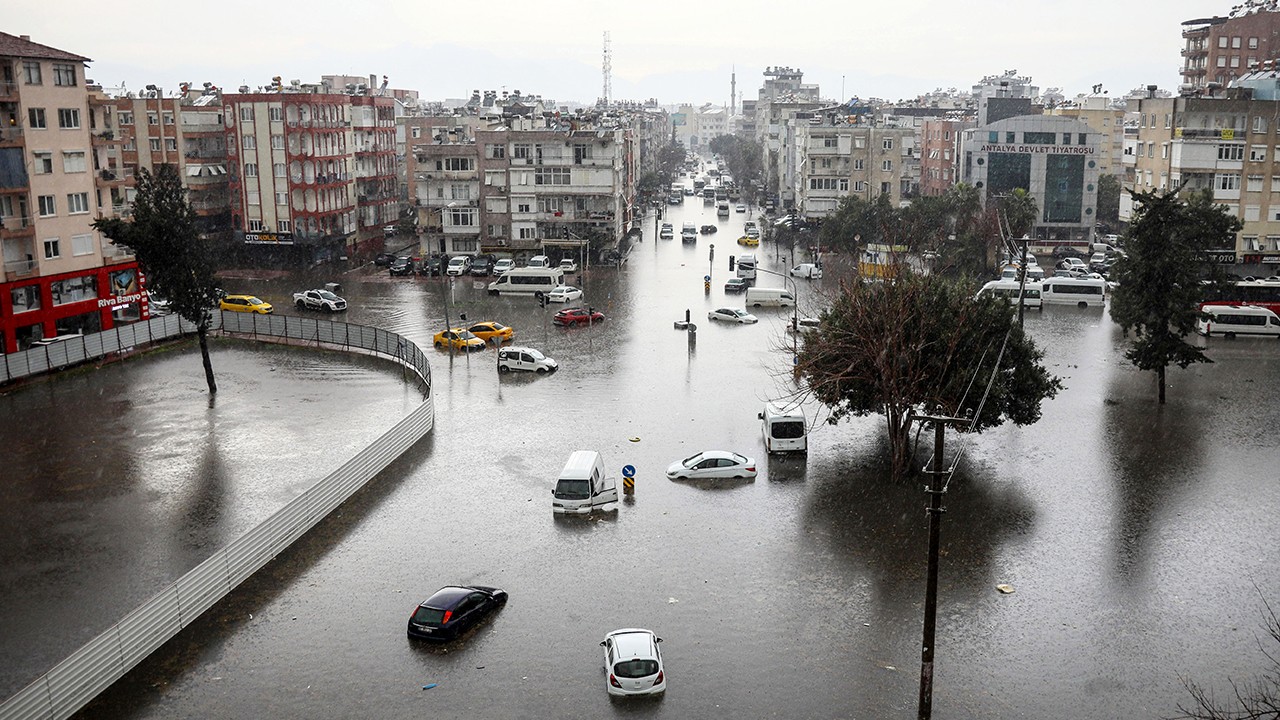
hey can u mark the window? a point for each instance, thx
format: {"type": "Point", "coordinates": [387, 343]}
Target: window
{"type": "Point", "coordinates": [1254, 183]}
{"type": "Point", "coordinates": [282, 226]}
{"type": "Point", "coordinates": [249, 142]}
{"type": "Point", "coordinates": [884, 188]}
{"type": "Point", "coordinates": [859, 186]}
{"type": "Point", "coordinates": [168, 118]}
{"type": "Point", "coordinates": [888, 143]}
{"type": "Point", "coordinates": [1008, 138]}
{"type": "Point", "coordinates": [551, 176]}
{"type": "Point", "coordinates": [255, 226]}
{"type": "Point", "coordinates": [581, 152]}
{"type": "Point", "coordinates": [1231, 152]}
{"type": "Point", "coordinates": [524, 207]}
{"type": "Point", "coordinates": [1273, 242]}
{"type": "Point", "coordinates": [1235, 61]}
{"type": "Point", "coordinates": [1275, 183]}
{"type": "Point", "coordinates": [52, 250]}
{"type": "Point", "coordinates": [35, 119]}
{"type": "Point", "coordinates": [460, 191]}
{"type": "Point", "coordinates": [1039, 138]}
{"type": "Point", "coordinates": [1257, 153]}
{"type": "Point", "coordinates": [1222, 61]}
{"type": "Point", "coordinates": [456, 164]}
{"type": "Point", "coordinates": [496, 230]}
{"type": "Point", "coordinates": [993, 137]}
{"type": "Point", "coordinates": [48, 205]}
{"type": "Point", "coordinates": [246, 113]}
{"type": "Point", "coordinates": [860, 142]}
{"type": "Point", "coordinates": [154, 144]}
{"type": "Point", "coordinates": [1250, 242]}
{"type": "Point", "coordinates": [887, 166]}
{"type": "Point", "coordinates": [274, 114]}
{"type": "Point", "coordinates": [1151, 150]}
{"type": "Point", "coordinates": [26, 298]}
{"type": "Point", "coordinates": [282, 198]}
{"type": "Point", "coordinates": [1252, 213]}
{"type": "Point", "coordinates": [250, 170]}
{"type": "Point", "coordinates": [1253, 43]}
{"type": "Point", "coordinates": [1227, 181]}
{"type": "Point", "coordinates": [416, 133]}
{"type": "Point", "coordinates": [495, 152]}
{"type": "Point", "coordinates": [171, 144]}
{"type": "Point", "coordinates": [522, 151]}
{"type": "Point", "coordinates": [126, 117]}
{"type": "Point", "coordinates": [858, 164]}
{"type": "Point", "coordinates": [68, 118]}
{"type": "Point", "coordinates": [64, 74]}
{"type": "Point", "coordinates": [526, 233]}
{"type": "Point", "coordinates": [82, 244]}
{"type": "Point", "coordinates": [1222, 41]}
{"type": "Point", "coordinates": [829, 142]}
{"type": "Point", "coordinates": [277, 169]}
{"type": "Point", "coordinates": [1066, 138]}
{"type": "Point", "coordinates": [1083, 138]}
{"type": "Point", "coordinates": [466, 246]}
{"type": "Point", "coordinates": [844, 185]}
{"type": "Point", "coordinates": [462, 217]}
{"type": "Point", "coordinates": [824, 183]}
{"type": "Point", "coordinates": [77, 203]}
{"type": "Point", "coordinates": [152, 119]}
{"type": "Point", "coordinates": [43, 163]}
{"type": "Point", "coordinates": [73, 161]}
{"type": "Point", "coordinates": [31, 72]}
{"type": "Point", "coordinates": [277, 142]}
{"type": "Point", "coordinates": [1235, 43]}
{"type": "Point", "coordinates": [253, 199]}
{"type": "Point", "coordinates": [1164, 151]}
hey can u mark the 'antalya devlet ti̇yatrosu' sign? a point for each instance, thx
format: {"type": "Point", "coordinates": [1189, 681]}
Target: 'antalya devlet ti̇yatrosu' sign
{"type": "Point", "coordinates": [1038, 149]}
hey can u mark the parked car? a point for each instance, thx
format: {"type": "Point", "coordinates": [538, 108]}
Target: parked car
{"type": "Point", "coordinates": [753, 233]}
{"type": "Point", "coordinates": [523, 358]}
{"type": "Point", "coordinates": [568, 265]}
{"type": "Point", "coordinates": [564, 293]}
{"type": "Point", "coordinates": [712, 464]}
{"type": "Point", "coordinates": [740, 208]}
{"type": "Point", "coordinates": [707, 229]}
{"type": "Point", "coordinates": [244, 303]}
{"type": "Point", "coordinates": [490, 331]}
{"type": "Point", "coordinates": [319, 300]}
{"type": "Point", "coordinates": [633, 663]}
{"type": "Point", "coordinates": [572, 317]}
{"type": "Point", "coordinates": [807, 270]}
{"type": "Point", "coordinates": [1072, 263]}
{"type": "Point", "coordinates": [432, 265]}
{"type": "Point", "coordinates": [1065, 251]}
{"type": "Point", "coordinates": [733, 315]}
{"type": "Point", "coordinates": [688, 191]}
{"type": "Point", "coordinates": [458, 265]}
{"type": "Point", "coordinates": [503, 265]}
{"type": "Point", "coordinates": [736, 285]}
{"type": "Point", "coordinates": [1098, 262]}
{"type": "Point", "coordinates": [482, 265]}
{"type": "Point", "coordinates": [457, 339]}
{"type": "Point", "coordinates": [401, 266]}
{"type": "Point", "coordinates": [667, 232]}
{"type": "Point", "coordinates": [452, 610]}
{"type": "Point", "coordinates": [383, 259]}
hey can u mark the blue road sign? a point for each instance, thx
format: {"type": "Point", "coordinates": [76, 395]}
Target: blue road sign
{"type": "Point", "coordinates": [628, 471]}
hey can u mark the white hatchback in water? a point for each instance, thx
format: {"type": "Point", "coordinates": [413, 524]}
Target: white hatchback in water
{"type": "Point", "coordinates": [633, 663]}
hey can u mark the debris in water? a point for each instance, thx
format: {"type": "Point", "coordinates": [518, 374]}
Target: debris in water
{"type": "Point", "coordinates": [428, 686]}
{"type": "Point", "coordinates": [635, 439]}
{"type": "Point", "coordinates": [1006, 589]}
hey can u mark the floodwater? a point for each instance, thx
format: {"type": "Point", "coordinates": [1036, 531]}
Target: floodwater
{"type": "Point", "coordinates": [1139, 540]}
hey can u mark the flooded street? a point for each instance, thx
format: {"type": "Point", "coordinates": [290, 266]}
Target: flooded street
{"type": "Point", "coordinates": [1137, 538]}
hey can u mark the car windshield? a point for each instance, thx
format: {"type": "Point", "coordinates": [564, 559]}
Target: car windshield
{"type": "Point", "coordinates": [428, 616]}
{"type": "Point", "coordinates": [691, 461]}
{"type": "Point", "coordinates": [254, 301]}
{"type": "Point", "coordinates": [739, 313]}
{"type": "Point", "coordinates": [498, 326]}
{"type": "Point", "coordinates": [536, 355]}
{"type": "Point", "coordinates": [567, 489]}
{"type": "Point", "coordinates": [466, 335]}
{"type": "Point", "coordinates": [637, 668]}
{"type": "Point", "coordinates": [327, 295]}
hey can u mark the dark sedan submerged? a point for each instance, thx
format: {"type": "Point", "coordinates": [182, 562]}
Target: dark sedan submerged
{"type": "Point", "coordinates": [453, 610]}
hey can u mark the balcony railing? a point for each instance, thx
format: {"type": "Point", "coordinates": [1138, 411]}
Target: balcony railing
{"type": "Point", "coordinates": [10, 133]}
{"type": "Point", "coordinates": [19, 268]}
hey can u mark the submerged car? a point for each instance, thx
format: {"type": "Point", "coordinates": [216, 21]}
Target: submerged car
{"type": "Point", "coordinates": [736, 285]}
{"type": "Point", "coordinates": [748, 241]}
{"type": "Point", "coordinates": [707, 229]}
{"type": "Point", "coordinates": [807, 270]}
{"type": "Point", "coordinates": [244, 303]}
{"type": "Point", "coordinates": [733, 315]}
{"type": "Point", "coordinates": [457, 339]}
{"type": "Point", "coordinates": [633, 663]}
{"type": "Point", "coordinates": [713, 464]}
{"type": "Point", "coordinates": [491, 331]}
{"type": "Point", "coordinates": [564, 293]}
{"type": "Point", "coordinates": [572, 317]}
{"type": "Point", "coordinates": [523, 358]}
{"type": "Point", "coordinates": [453, 610]}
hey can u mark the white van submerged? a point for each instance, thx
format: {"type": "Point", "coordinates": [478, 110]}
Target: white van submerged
{"type": "Point", "coordinates": [783, 430]}
{"type": "Point", "coordinates": [747, 266]}
{"type": "Point", "coordinates": [1232, 320]}
{"type": "Point", "coordinates": [1009, 289]}
{"type": "Point", "coordinates": [582, 485]}
{"type": "Point", "coordinates": [1082, 292]}
{"type": "Point", "coordinates": [527, 281]}
{"type": "Point", "coordinates": [773, 297]}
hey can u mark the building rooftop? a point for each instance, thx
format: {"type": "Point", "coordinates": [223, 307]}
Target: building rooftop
{"type": "Point", "coordinates": [20, 46]}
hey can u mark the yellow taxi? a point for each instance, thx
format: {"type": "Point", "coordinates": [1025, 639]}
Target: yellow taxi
{"type": "Point", "coordinates": [244, 303]}
{"type": "Point", "coordinates": [457, 339]}
{"type": "Point", "coordinates": [746, 241]}
{"type": "Point", "coordinates": [490, 331]}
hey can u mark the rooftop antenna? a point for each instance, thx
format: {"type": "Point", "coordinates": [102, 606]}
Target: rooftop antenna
{"type": "Point", "coordinates": [607, 69]}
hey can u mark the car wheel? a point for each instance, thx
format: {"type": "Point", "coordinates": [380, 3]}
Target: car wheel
{"type": "Point", "coordinates": [573, 323]}
{"type": "Point", "coordinates": [541, 371]}
{"type": "Point", "coordinates": [504, 369]}
{"type": "Point", "coordinates": [1230, 336]}
{"type": "Point", "coordinates": [301, 305]}
{"type": "Point", "coordinates": [439, 346]}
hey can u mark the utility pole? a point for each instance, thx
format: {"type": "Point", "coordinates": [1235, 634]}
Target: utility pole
{"type": "Point", "coordinates": [935, 490]}
{"type": "Point", "coordinates": [1022, 281]}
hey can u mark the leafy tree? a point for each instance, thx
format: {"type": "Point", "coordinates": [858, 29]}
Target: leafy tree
{"type": "Point", "coordinates": [919, 345]}
{"type": "Point", "coordinates": [1109, 199]}
{"type": "Point", "coordinates": [1161, 279]}
{"type": "Point", "coordinates": [670, 159]}
{"type": "Point", "coordinates": [742, 157]}
{"type": "Point", "coordinates": [176, 260]}
{"type": "Point", "coordinates": [1020, 212]}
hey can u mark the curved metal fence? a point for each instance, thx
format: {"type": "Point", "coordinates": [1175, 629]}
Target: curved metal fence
{"type": "Point", "coordinates": [72, 683]}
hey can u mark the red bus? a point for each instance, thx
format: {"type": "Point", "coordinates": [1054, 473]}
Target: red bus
{"type": "Point", "coordinates": [1262, 293]}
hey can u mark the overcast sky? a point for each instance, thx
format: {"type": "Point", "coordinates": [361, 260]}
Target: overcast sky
{"type": "Point", "coordinates": [675, 51]}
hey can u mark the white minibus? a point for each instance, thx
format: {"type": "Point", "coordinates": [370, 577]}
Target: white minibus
{"type": "Point", "coordinates": [1008, 289]}
{"type": "Point", "coordinates": [1081, 292]}
{"type": "Point", "coordinates": [527, 281]}
{"type": "Point", "coordinates": [1232, 320]}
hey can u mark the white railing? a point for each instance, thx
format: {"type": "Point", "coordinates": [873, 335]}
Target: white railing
{"type": "Point", "coordinates": [72, 683]}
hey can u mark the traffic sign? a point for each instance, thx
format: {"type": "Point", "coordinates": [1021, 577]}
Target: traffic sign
{"type": "Point", "coordinates": [628, 471]}
{"type": "Point", "coordinates": [706, 278]}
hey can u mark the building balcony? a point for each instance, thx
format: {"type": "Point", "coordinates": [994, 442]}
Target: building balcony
{"type": "Point", "coordinates": [18, 269]}
{"type": "Point", "coordinates": [16, 226]}
{"type": "Point", "coordinates": [111, 177]}
{"type": "Point", "coordinates": [8, 91]}
{"type": "Point", "coordinates": [1195, 52]}
{"type": "Point", "coordinates": [11, 135]}
{"type": "Point", "coordinates": [104, 137]}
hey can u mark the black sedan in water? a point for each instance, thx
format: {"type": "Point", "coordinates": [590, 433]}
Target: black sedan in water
{"type": "Point", "coordinates": [453, 610]}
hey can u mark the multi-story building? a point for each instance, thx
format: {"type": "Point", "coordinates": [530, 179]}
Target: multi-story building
{"type": "Point", "coordinates": [1224, 144]}
{"type": "Point", "coordinates": [60, 275]}
{"type": "Point", "coordinates": [1221, 49]}
{"type": "Point", "coordinates": [835, 160]}
{"type": "Point", "coordinates": [696, 127]}
{"type": "Point", "coordinates": [939, 139]}
{"type": "Point", "coordinates": [1099, 113]}
{"type": "Point", "coordinates": [312, 173]}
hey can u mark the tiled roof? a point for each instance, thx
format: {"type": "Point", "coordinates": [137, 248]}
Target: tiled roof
{"type": "Point", "coordinates": [14, 46]}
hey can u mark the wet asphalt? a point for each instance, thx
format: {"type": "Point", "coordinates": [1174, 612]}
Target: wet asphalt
{"type": "Point", "coordinates": [1137, 538]}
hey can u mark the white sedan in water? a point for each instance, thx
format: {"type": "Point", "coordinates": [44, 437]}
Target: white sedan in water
{"type": "Point", "coordinates": [564, 293]}
{"type": "Point", "coordinates": [733, 315]}
{"type": "Point", "coordinates": [713, 464]}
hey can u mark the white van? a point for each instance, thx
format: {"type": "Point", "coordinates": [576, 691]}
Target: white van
{"type": "Point", "coordinates": [582, 485]}
{"type": "Point", "coordinates": [458, 265]}
{"type": "Point", "coordinates": [689, 232]}
{"type": "Point", "coordinates": [1008, 289]}
{"type": "Point", "coordinates": [783, 430]}
{"type": "Point", "coordinates": [747, 266]}
{"type": "Point", "coordinates": [774, 297]}
{"type": "Point", "coordinates": [527, 281]}
{"type": "Point", "coordinates": [1082, 291]}
{"type": "Point", "coordinates": [1232, 320]}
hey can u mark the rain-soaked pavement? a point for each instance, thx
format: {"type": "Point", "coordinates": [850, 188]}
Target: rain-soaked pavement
{"type": "Point", "coordinates": [1137, 538]}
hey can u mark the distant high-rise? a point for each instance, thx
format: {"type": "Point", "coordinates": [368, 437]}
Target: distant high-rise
{"type": "Point", "coordinates": [733, 92]}
{"type": "Point", "coordinates": [1221, 49]}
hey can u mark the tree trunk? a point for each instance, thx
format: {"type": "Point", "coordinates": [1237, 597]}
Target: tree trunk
{"type": "Point", "coordinates": [1160, 374]}
{"type": "Point", "coordinates": [203, 333]}
{"type": "Point", "coordinates": [899, 443]}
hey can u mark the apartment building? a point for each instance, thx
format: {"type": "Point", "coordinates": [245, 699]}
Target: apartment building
{"type": "Point", "coordinates": [1221, 49]}
{"type": "Point", "coordinates": [939, 139]}
{"type": "Point", "coordinates": [60, 275]}
{"type": "Point", "coordinates": [696, 127]}
{"type": "Point", "coordinates": [1097, 112]}
{"type": "Point", "coordinates": [523, 180]}
{"type": "Point", "coordinates": [1229, 145]}
{"type": "Point", "coordinates": [835, 159]}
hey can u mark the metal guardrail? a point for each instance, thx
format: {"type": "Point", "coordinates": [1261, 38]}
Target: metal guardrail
{"type": "Point", "coordinates": [74, 682]}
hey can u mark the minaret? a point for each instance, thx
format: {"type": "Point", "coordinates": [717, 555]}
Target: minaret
{"type": "Point", "coordinates": [733, 91]}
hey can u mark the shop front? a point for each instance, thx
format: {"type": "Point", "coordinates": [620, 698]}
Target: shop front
{"type": "Point", "coordinates": [76, 303]}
